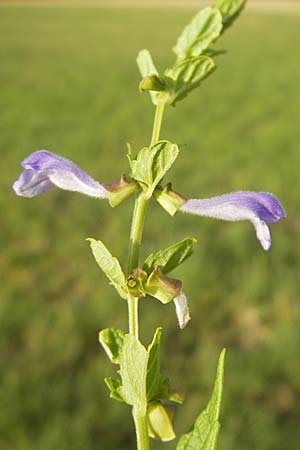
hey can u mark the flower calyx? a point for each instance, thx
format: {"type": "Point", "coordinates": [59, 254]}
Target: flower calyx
{"type": "Point", "coordinates": [157, 285]}
{"type": "Point", "coordinates": [152, 82]}
{"type": "Point", "coordinates": [170, 200]}
{"type": "Point", "coordinates": [120, 190]}
{"type": "Point", "coordinates": [136, 282]}
{"type": "Point", "coordinates": [164, 288]}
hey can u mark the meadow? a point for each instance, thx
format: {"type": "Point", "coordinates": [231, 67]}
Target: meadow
{"type": "Point", "coordinates": [69, 84]}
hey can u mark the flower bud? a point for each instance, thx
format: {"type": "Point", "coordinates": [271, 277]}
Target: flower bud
{"type": "Point", "coordinates": [152, 83]}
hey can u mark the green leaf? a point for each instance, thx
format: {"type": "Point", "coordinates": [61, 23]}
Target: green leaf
{"type": "Point", "coordinates": [171, 257]}
{"type": "Point", "coordinates": [230, 10]}
{"type": "Point", "coordinates": [206, 428]}
{"type": "Point", "coordinates": [196, 37]}
{"type": "Point", "coordinates": [113, 385]}
{"type": "Point", "coordinates": [147, 68]}
{"type": "Point", "coordinates": [133, 371]}
{"type": "Point", "coordinates": [145, 63]}
{"type": "Point", "coordinates": [186, 76]}
{"type": "Point", "coordinates": [151, 164]}
{"type": "Point", "coordinates": [110, 266]}
{"type": "Point", "coordinates": [159, 419]}
{"type": "Point", "coordinates": [157, 385]}
{"type": "Point", "coordinates": [112, 340]}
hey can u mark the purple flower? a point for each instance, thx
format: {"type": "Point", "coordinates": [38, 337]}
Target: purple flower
{"type": "Point", "coordinates": [258, 207]}
{"type": "Point", "coordinates": [43, 170]}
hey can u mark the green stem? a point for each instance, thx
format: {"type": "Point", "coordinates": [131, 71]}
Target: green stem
{"type": "Point", "coordinates": [141, 431]}
{"type": "Point", "coordinates": [133, 262]}
{"type": "Point", "coordinates": [136, 231]}
{"type": "Point", "coordinates": [157, 123]}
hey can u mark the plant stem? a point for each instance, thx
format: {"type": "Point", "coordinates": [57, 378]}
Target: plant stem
{"type": "Point", "coordinates": [136, 231]}
{"type": "Point", "coordinates": [133, 262]}
{"type": "Point", "coordinates": [157, 123]}
{"type": "Point", "coordinates": [141, 431]}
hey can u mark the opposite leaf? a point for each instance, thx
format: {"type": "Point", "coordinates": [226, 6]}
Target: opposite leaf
{"type": "Point", "coordinates": [112, 340]}
{"type": "Point", "coordinates": [133, 371]}
{"type": "Point", "coordinates": [196, 37]}
{"type": "Point", "coordinates": [151, 164]}
{"type": "Point", "coordinates": [186, 76]}
{"type": "Point", "coordinates": [157, 385]}
{"type": "Point", "coordinates": [171, 257]}
{"type": "Point", "coordinates": [205, 432]}
{"type": "Point", "coordinates": [147, 68]}
{"type": "Point", "coordinates": [110, 266]}
{"type": "Point", "coordinates": [113, 385]}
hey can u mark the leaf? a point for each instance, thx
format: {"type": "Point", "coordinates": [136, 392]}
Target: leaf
{"type": "Point", "coordinates": [145, 63]}
{"type": "Point", "coordinates": [230, 10]}
{"type": "Point", "coordinates": [171, 257]}
{"type": "Point", "coordinates": [110, 266]}
{"type": "Point", "coordinates": [206, 428]}
{"type": "Point", "coordinates": [133, 371]}
{"type": "Point", "coordinates": [112, 340]}
{"type": "Point", "coordinates": [156, 384]}
{"type": "Point", "coordinates": [147, 68]}
{"type": "Point", "coordinates": [186, 76]}
{"type": "Point", "coordinates": [113, 385]}
{"type": "Point", "coordinates": [196, 37]}
{"type": "Point", "coordinates": [151, 164]}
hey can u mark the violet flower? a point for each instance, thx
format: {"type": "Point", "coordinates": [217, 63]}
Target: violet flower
{"type": "Point", "coordinates": [44, 170]}
{"type": "Point", "coordinates": [258, 207]}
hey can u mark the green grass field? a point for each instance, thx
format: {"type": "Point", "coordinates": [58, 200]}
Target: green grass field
{"type": "Point", "coordinates": [68, 83]}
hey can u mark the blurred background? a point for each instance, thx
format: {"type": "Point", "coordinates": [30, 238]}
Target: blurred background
{"type": "Point", "coordinates": [69, 84]}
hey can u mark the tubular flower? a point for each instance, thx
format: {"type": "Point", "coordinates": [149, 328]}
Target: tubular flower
{"type": "Point", "coordinates": [258, 207]}
{"type": "Point", "coordinates": [44, 170]}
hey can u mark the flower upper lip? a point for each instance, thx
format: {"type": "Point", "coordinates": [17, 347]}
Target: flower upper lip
{"type": "Point", "coordinates": [43, 170]}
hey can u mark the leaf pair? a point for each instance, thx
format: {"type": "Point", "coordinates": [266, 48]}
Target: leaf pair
{"type": "Point", "coordinates": [151, 279]}
{"type": "Point", "coordinates": [151, 164]}
{"type": "Point", "coordinates": [177, 81]}
{"type": "Point", "coordinates": [193, 63]}
{"type": "Point", "coordinates": [141, 385]}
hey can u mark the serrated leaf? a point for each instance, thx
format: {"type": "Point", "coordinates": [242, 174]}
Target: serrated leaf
{"type": "Point", "coordinates": [196, 37]}
{"type": "Point", "coordinates": [110, 266]}
{"type": "Point", "coordinates": [112, 340]}
{"type": "Point", "coordinates": [186, 76]}
{"type": "Point", "coordinates": [133, 371]}
{"type": "Point", "coordinates": [170, 257]}
{"type": "Point", "coordinates": [230, 10]}
{"type": "Point", "coordinates": [113, 385]}
{"type": "Point", "coordinates": [151, 164]}
{"type": "Point", "coordinates": [206, 428]}
{"type": "Point", "coordinates": [147, 68]}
